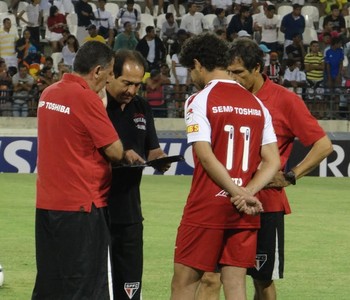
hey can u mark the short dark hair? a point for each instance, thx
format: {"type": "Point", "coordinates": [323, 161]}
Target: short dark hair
{"type": "Point", "coordinates": [271, 7]}
{"type": "Point", "coordinates": [243, 9]}
{"type": "Point", "coordinates": [218, 11]}
{"type": "Point", "coordinates": [154, 73]}
{"type": "Point", "coordinates": [126, 23]}
{"type": "Point", "coordinates": [296, 5]}
{"type": "Point", "coordinates": [334, 6]}
{"type": "Point", "coordinates": [190, 4]}
{"type": "Point", "coordinates": [168, 15]}
{"type": "Point", "coordinates": [122, 56]}
{"type": "Point", "coordinates": [22, 65]}
{"type": "Point", "coordinates": [49, 58]}
{"type": "Point", "coordinates": [149, 29]}
{"type": "Point", "coordinates": [313, 42]}
{"type": "Point", "coordinates": [90, 55]}
{"type": "Point", "coordinates": [5, 20]}
{"type": "Point", "coordinates": [248, 52]}
{"type": "Point", "coordinates": [335, 40]}
{"type": "Point", "coordinates": [208, 49]}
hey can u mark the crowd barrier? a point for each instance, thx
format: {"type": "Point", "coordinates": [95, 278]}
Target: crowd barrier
{"type": "Point", "coordinates": [18, 154]}
{"type": "Point", "coordinates": [323, 103]}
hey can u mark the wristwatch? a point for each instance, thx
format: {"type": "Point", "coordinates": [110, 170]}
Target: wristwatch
{"type": "Point", "coordinates": [290, 176]}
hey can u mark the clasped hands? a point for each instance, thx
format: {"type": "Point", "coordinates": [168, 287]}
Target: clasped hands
{"type": "Point", "coordinates": [247, 203]}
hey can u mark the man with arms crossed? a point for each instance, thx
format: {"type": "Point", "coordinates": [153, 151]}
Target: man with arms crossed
{"type": "Point", "coordinates": [291, 119]}
{"type": "Point", "coordinates": [132, 117]}
{"type": "Point", "coordinates": [75, 141]}
{"type": "Point", "coordinates": [231, 134]}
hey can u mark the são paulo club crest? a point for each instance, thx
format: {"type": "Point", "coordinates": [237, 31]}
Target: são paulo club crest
{"type": "Point", "coordinates": [260, 260]}
{"type": "Point", "coordinates": [131, 288]}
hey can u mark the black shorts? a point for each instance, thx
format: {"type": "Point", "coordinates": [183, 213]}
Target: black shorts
{"type": "Point", "coordinates": [269, 262]}
{"type": "Point", "coordinates": [72, 255]}
{"type": "Point", "coordinates": [127, 260]}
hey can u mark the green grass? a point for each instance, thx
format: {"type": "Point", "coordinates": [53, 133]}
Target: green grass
{"type": "Point", "coordinates": [317, 237]}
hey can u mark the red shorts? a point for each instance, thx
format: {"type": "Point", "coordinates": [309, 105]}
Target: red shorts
{"type": "Point", "coordinates": [205, 248]}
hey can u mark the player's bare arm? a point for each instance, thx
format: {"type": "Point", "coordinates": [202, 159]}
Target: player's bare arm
{"type": "Point", "coordinates": [269, 166]}
{"type": "Point", "coordinates": [278, 181]}
{"type": "Point", "coordinates": [321, 149]}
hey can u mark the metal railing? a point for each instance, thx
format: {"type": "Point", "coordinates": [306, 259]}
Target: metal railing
{"type": "Point", "coordinates": [12, 105]}
{"type": "Point", "coordinates": [323, 103]}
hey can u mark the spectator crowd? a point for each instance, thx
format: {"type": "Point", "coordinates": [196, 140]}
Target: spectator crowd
{"type": "Point", "coordinates": [308, 55]}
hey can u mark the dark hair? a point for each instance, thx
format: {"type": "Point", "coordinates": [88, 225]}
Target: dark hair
{"type": "Point", "coordinates": [149, 29]}
{"type": "Point", "coordinates": [218, 11]}
{"type": "Point", "coordinates": [21, 65]}
{"type": "Point", "coordinates": [334, 6]}
{"type": "Point", "coordinates": [335, 40]}
{"type": "Point", "coordinates": [90, 55]}
{"type": "Point", "coordinates": [5, 20]}
{"type": "Point", "coordinates": [168, 15]}
{"type": "Point", "coordinates": [208, 49]}
{"type": "Point", "coordinates": [53, 10]}
{"type": "Point", "coordinates": [248, 52]}
{"type": "Point", "coordinates": [243, 9]}
{"type": "Point", "coordinates": [154, 73]}
{"type": "Point", "coordinates": [76, 43]}
{"type": "Point", "coordinates": [123, 56]}
{"type": "Point", "coordinates": [49, 58]}
{"type": "Point", "coordinates": [296, 5]}
{"type": "Point", "coordinates": [24, 31]}
{"type": "Point", "coordinates": [126, 23]}
{"type": "Point", "coordinates": [130, 2]}
{"type": "Point", "coordinates": [313, 42]}
{"type": "Point", "coordinates": [271, 7]}
{"type": "Point", "coordinates": [190, 4]}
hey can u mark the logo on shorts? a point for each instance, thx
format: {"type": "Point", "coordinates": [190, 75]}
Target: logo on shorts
{"type": "Point", "coordinates": [131, 288]}
{"type": "Point", "coordinates": [260, 260]}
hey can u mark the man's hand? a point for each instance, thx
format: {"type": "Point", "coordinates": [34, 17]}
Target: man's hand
{"type": "Point", "coordinates": [279, 181]}
{"type": "Point", "coordinates": [132, 158]}
{"type": "Point", "coordinates": [162, 167]}
{"type": "Point", "coordinates": [247, 204]}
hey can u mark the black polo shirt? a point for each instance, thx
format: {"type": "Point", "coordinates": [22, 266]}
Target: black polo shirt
{"type": "Point", "coordinates": [135, 126]}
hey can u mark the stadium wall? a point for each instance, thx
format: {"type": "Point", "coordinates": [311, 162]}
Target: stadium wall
{"type": "Point", "coordinates": [18, 147]}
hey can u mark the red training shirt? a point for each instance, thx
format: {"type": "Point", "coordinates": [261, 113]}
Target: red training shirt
{"type": "Point", "coordinates": [72, 126]}
{"type": "Point", "coordinates": [291, 118]}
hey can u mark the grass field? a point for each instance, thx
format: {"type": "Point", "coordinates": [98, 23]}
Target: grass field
{"type": "Point", "coordinates": [317, 237]}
